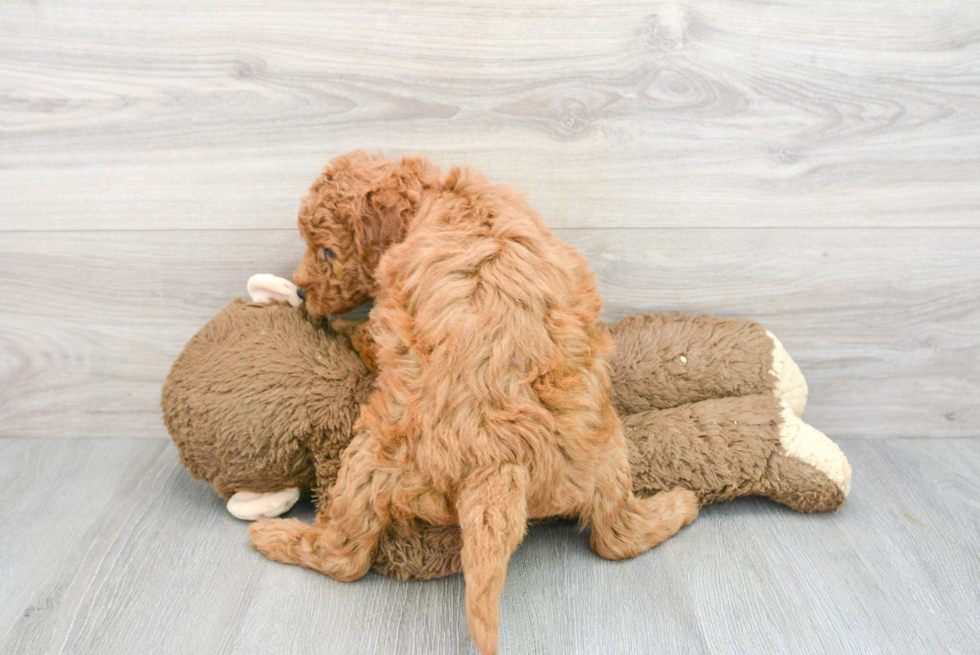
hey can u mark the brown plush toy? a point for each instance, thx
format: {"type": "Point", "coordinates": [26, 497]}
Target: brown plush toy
{"type": "Point", "coordinates": [262, 402]}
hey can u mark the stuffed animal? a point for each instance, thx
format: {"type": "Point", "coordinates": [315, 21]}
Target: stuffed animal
{"type": "Point", "coordinates": [262, 402]}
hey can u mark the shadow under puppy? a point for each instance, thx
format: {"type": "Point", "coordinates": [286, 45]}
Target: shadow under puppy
{"type": "Point", "coordinates": [492, 403]}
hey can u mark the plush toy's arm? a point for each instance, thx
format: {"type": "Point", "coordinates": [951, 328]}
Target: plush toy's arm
{"type": "Point", "coordinates": [265, 288]}
{"type": "Point", "coordinates": [359, 333]}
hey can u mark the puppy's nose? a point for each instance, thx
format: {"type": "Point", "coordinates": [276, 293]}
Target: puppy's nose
{"type": "Point", "coordinates": [301, 294]}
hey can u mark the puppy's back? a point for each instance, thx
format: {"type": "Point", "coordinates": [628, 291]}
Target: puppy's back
{"type": "Point", "coordinates": [487, 320]}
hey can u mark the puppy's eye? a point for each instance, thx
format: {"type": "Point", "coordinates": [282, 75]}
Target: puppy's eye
{"type": "Point", "coordinates": [327, 253]}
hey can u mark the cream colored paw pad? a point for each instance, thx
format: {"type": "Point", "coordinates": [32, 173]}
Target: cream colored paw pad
{"type": "Point", "coordinates": [251, 506]}
{"type": "Point", "coordinates": [790, 384]}
{"type": "Point", "coordinates": [813, 447]}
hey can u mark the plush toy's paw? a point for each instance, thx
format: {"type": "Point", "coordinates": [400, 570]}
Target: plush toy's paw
{"type": "Point", "coordinates": [813, 447]}
{"type": "Point", "coordinates": [791, 386]}
{"type": "Point", "coordinates": [266, 288]}
{"type": "Point", "coordinates": [251, 506]}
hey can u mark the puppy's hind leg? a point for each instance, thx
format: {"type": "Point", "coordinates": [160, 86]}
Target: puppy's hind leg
{"type": "Point", "coordinates": [624, 525]}
{"type": "Point", "coordinates": [345, 537]}
{"type": "Point", "coordinates": [492, 510]}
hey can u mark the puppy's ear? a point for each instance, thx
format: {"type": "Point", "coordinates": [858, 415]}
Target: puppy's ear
{"type": "Point", "coordinates": [396, 198]}
{"type": "Point", "coordinates": [356, 160]}
{"type": "Point", "coordinates": [421, 169]}
{"type": "Point", "coordinates": [394, 208]}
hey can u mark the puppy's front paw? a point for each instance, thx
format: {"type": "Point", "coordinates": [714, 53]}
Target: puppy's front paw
{"type": "Point", "coordinates": [343, 326]}
{"type": "Point", "coordinates": [359, 334]}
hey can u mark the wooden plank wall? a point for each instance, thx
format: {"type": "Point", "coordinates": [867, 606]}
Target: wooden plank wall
{"type": "Point", "coordinates": [811, 165]}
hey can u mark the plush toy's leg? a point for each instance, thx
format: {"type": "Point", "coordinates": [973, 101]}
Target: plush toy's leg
{"type": "Point", "coordinates": [251, 505]}
{"type": "Point", "coordinates": [624, 525]}
{"type": "Point", "coordinates": [343, 541]}
{"type": "Point", "coordinates": [799, 486]}
{"type": "Point", "coordinates": [731, 447]}
{"type": "Point", "coordinates": [813, 447]}
{"type": "Point", "coordinates": [265, 288]}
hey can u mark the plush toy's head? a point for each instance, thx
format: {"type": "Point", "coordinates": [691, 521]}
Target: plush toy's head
{"type": "Point", "coordinates": [359, 207]}
{"type": "Point", "coordinates": [263, 399]}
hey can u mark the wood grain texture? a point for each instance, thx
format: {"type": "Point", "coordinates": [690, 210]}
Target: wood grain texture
{"type": "Point", "coordinates": [141, 115]}
{"type": "Point", "coordinates": [110, 547]}
{"type": "Point", "coordinates": [811, 165]}
{"type": "Point", "coordinates": [883, 323]}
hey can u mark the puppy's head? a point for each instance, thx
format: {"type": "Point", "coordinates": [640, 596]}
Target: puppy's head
{"type": "Point", "coordinates": [359, 207]}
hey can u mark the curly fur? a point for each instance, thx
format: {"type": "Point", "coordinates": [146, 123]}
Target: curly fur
{"type": "Point", "coordinates": [492, 404]}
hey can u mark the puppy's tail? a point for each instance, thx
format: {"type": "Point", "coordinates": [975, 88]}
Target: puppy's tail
{"type": "Point", "coordinates": [492, 509]}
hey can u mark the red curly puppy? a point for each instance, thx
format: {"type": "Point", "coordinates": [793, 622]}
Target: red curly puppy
{"type": "Point", "coordinates": [492, 405]}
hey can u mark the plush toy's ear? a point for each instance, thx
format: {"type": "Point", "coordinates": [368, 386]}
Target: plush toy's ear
{"type": "Point", "coordinates": [265, 288]}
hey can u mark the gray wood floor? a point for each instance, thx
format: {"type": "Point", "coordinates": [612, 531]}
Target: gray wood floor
{"type": "Point", "coordinates": [811, 165]}
{"type": "Point", "coordinates": [109, 546]}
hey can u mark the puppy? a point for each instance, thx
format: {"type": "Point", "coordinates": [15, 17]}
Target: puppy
{"type": "Point", "coordinates": [492, 404]}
